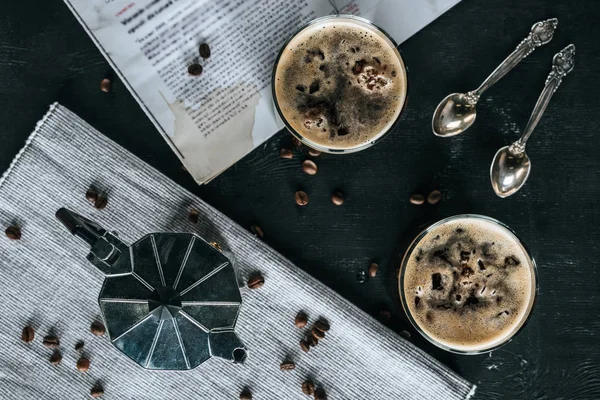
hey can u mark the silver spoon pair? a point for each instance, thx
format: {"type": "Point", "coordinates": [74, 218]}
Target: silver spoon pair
{"type": "Point", "coordinates": [456, 113]}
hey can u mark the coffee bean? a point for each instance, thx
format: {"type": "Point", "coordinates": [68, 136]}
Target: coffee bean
{"type": "Point", "coordinates": [434, 197]}
{"type": "Point", "coordinates": [195, 69]}
{"type": "Point", "coordinates": [56, 358]}
{"type": "Point", "coordinates": [301, 198]}
{"type": "Point", "coordinates": [320, 394]}
{"type": "Point", "coordinates": [91, 195]}
{"type": "Point", "coordinates": [97, 391]}
{"type": "Point", "coordinates": [105, 85]}
{"type": "Point", "coordinates": [301, 320]}
{"type": "Point", "coordinates": [194, 216]}
{"type": "Point", "coordinates": [308, 388]}
{"type": "Point", "coordinates": [83, 364]}
{"type": "Point", "coordinates": [256, 281]}
{"type": "Point", "coordinates": [322, 325]}
{"type": "Point", "coordinates": [405, 334]}
{"type": "Point", "coordinates": [304, 345]}
{"type": "Point", "coordinates": [101, 202]}
{"type": "Point", "coordinates": [287, 366]}
{"type": "Point", "coordinates": [51, 342]}
{"type": "Point", "coordinates": [28, 334]}
{"type": "Point", "coordinates": [204, 50]}
{"type": "Point", "coordinates": [373, 268]}
{"type": "Point", "coordinates": [309, 167]}
{"type": "Point", "coordinates": [285, 153]}
{"type": "Point", "coordinates": [417, 199]}
{"type": "Point", "coordinates": [385, 316]}
{"type": "Point", "coordinates": [246, 395]}
{"type": "Point", "coordinates": [97, 328]}
{"type": "Point", "coordinates": [312, 341]}
{"type": "Point", "coordinates": [313, 152]}
{"type": "Point", "coordinates": [337, 198]}
{"type": "Point", "coordinates": [317, 334]}
{"type": "Point", "coordinates": [257, 231]}
{"type": "Point", "coordinates": [361, 277]}
{"type": "Point", "coordinates": [79, 346]}
{"type": "Point", "coordinates": [13, 233]}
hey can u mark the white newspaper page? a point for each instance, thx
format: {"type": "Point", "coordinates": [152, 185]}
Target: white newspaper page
{"type": "Point", "coordinates": [213, 120]}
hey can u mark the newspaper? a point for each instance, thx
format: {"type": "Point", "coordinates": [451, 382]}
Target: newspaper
{"type": "Point", "coordinates": [213, 120]}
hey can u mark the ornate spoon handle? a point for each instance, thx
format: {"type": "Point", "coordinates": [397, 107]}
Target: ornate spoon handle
{"type": "Point", "coordinates": [562, 63]}
{"type": "Point", "coordinates": [541, 33]}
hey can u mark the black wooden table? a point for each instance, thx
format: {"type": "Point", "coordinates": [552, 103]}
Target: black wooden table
{"type": "Point", "coordinates": [45, 56]}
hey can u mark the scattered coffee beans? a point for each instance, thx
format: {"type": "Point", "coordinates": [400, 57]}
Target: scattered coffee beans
{"type": "Point", "coordinates": [256, 281]}
{"type": "Point", "coordinates": [194, 216]}
{"type": "Point", "coordinates": [417, 199]}
{"type": "Point", "coordinates": [434, 197]}
{"type": "Point", "coordinates": [13, 233]}
{"type": "Point", "coordinates": [361, 277]}
{"type": "Point", "coordinates": [28, 334]}
{"type": "Point", "coordinates": [97, 328]}
{"type": "Point", "coordinates": [51, 342]}
{"type": "Point", "coordinates": [79, 346]}
{"type": "Point", "coordinates": [313, 152]}
{"type": "Point", "coordinates": [385, 316]}
{"type": "Point", "coordinates": [322, 325]}
{"type": "Point", "coordinates": [304, 345]}
{"type": "Point", "coordinates": [308, 387]}
{"type": "Point", "coordinates": [195, 69]}
{"type": "Point", "coordinates": [83, 364]}
{"type": "Point", "coordinates": [301, 198]}
{"type": "Point", "coordinates": [257, 231]}
{"type": "Point", "coordinates": [246, 395]}
{"type": "Point", "coordinates": [320, 394]}
{"type": "Point", "coordinates": [373, 268]}
{"type": "Point", "coordinates": [285, 153]}
{"type": "Point", "coordinates": [97, 391]}
{"type": "Point", "coordinates": [204, 50]}
{"type": "Point", "coordinates": [56, 358]}
{"type": "Point", "coordinates": [312, 341]}
{"type": "Point", "coordinates": [287, 366]}
{"type": "Point", "coordinates": [337, 198]}
{"type": "Point", "coordinates": [317, 334]}
{"type": "Point", "coordinates": [105, 85]}
{"type": "Point", "coordinates": [309, 167]}
{"type": "Point", "coordinates": [301, 320]}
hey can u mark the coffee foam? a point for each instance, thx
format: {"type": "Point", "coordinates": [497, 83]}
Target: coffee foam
{"type": "Point", "coordinates": [340, 84]}
{"type": "Point", "coordinates": [469, 284]}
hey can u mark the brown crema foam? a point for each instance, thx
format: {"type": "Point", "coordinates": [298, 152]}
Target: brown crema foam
{"type": "Point", "coordinates": [469, 284]}
{"type": "Point", "coordinates": [340, 83]}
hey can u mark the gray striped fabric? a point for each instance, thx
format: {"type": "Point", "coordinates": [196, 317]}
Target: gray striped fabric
{"type": "Point", "coordinates": [46, 282]}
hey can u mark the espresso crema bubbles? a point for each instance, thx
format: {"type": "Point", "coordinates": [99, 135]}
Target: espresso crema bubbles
{"type": "Point", "coordinates": [340, 83]}
{"type": "Point", "coordinates": [469, 284]}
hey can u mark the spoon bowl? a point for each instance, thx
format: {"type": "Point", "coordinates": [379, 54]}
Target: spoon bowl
{"type": "Point", "coordinates": [509, 171]}
{"type": "Point", "coordinates": [454, 115]}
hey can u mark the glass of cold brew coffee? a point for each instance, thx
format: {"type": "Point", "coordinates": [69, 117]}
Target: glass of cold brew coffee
{"type": "Point", "coordinates": [468, 284]}
{"type": "Point", "coordinates": [339, 84]}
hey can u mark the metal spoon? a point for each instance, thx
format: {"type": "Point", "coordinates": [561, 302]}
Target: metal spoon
{"type": "Point", "coordinates": [456, 113]}
{"type": "Point", "coordinates": [511, 166]}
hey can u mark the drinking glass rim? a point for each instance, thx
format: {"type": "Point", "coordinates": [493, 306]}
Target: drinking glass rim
{"type": "Point", "coordinates": [411, 248]}
{"type": "Point", "coordinates": [317, 146]}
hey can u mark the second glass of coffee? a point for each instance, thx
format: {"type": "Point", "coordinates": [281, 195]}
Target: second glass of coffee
{"type": "Point", "coordinates": [339, 84]}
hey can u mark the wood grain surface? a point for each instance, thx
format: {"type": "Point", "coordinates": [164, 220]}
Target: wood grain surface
{"type": "Point", "coordinates": [45, 56]}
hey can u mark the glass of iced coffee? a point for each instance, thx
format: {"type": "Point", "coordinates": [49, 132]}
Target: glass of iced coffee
{"type": "Point", "coordinates": [339, 84]}
{"type": "Point", "coordinates": [468, 284]}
